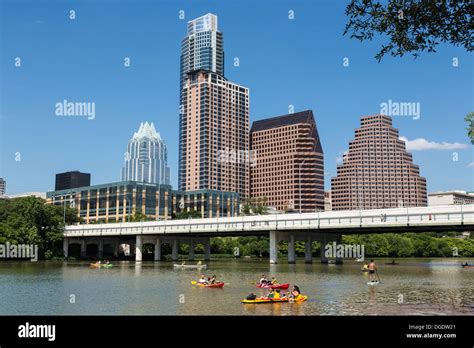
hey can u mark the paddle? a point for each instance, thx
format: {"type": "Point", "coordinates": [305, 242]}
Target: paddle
{"type": "Point", "coordinates": [378, 277]}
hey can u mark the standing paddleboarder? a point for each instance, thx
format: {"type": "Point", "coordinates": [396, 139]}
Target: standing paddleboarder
{"type": "Point", "coordinates": [372, 270]}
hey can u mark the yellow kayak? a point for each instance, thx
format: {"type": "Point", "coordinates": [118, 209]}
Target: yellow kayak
{"type": "Point", "coordinates": [270, 300]}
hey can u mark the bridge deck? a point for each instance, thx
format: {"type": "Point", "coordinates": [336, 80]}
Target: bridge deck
{"type": "Point", "coordinates": [440, 218]}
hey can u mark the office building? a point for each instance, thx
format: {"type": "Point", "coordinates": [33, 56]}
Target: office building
{"type": "Point", "coordinates": [3, 187]}
{"type": "Point", "coordinates": [146, 158]}
{"type": "Point", "coordinates": [377, 171]}
{"type": "Point", "coordinates": [450, 198]}
{"type": "Point", "coordinates": [287, 167]}
{"type": "Point", "coordinates": [70, 180]}
{"type": "Point", "coordinates": [122, 201]}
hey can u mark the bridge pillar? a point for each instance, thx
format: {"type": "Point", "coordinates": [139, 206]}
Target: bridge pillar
{"type": "Point", "coordinates": [158, 250]}
{"type": "Point", "coordinates": [291, 249]}
{"type": "Point", "coordinates": [66, 247]}
{"type": "Point", "coordinates": [273, 247]}
{"type": "Point", "coordinates": [101, 248]}
{"type": "Point", "coordinates": [138, 249]}
{"type": "Point", "coordinates": [322, 249]}
{"type": "Point", "coordinates": [207, 250]}
{"type": "Point", "coordinates": [308, 253]}
{"type": "Point", "coordinates": [116, 248]}
{"type": "Point", "coordinates": [83, 248]}
{"type": "Point", "coordinates": [339, 260]}
{"type": "Point", "coordinates": [191, 249]}
{"type": "Point", "coordinates": [174, 251]}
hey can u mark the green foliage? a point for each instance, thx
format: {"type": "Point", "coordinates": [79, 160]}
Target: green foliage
{"type": "Point", "coordinates": [470, 126]}
{"type": "Point", "coordinates": [28, 220]}
{"type": "Point", "coordinates": [137, 217]}
{"type": "Point", "coordinates": [411, 26]}
{"type": "Point", "coordinates": [192, 214]}
{"type": "Point", "coordinates": [412, 244]}
{"type": "Point", "coordinates": [255, 206]}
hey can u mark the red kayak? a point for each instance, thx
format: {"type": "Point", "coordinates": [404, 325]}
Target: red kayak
{"type": "Point", "coordinates": [468, 266]}
{"type": "Point", "coordinates": [215, 285]}
{"type": "Point", "coordinates": [279, 286]}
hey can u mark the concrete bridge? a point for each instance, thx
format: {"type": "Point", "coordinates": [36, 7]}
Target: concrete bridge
{"type": "Point", "coordinates": [327, 227]}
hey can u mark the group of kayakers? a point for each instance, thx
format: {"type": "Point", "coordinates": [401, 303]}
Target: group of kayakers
{"type": "Point", "coordinates": [264, 281]}
{"type": "Point", "coordinates": [275, 294]}
{"type": "Point", "coordinates": [207, 280]}
{"type": "Point", "coordinates": [98, 263]}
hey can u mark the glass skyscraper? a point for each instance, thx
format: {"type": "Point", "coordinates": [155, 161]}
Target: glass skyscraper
{"type": "Point", "coordinates": [202, 48]}
{"type": "Point", "coordinates": [214, 115]}
{"type": "Point", "coordinates": [146, 159]}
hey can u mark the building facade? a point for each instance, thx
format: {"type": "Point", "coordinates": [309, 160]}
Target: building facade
{"type": "Point", "coordinates": [214, 141]}
{"type": "Point", "coordinates": [214, 115]}
{"type": "Point", "coordinates": [450, 198]}
{"type": "Point", "coordinates": [327, 201]}
{"type": "Point", "coordinates": [123, 201]}
{"type": "Point", "coordinates": [3, 187]}
{"type": "Point", "coordinates": [146, 158]}
{"type": "Point", "coordinates": [377, 171]}
{"type": "Point", "coordinates": [72, 179]}
{"type": "Point", "coordinates": [202, 48]}
{"type": "Point", "coordinates": [288, 162]}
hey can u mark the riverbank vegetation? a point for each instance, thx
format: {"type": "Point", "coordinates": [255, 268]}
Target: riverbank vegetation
{"type": "Point", "coordinates": [28, 220]}
{"type": "Point", "coordinates": [376, 245]}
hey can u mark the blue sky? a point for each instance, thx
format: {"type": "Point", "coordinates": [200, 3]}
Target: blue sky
{"type": "Point", "coordinates": [284, 62]}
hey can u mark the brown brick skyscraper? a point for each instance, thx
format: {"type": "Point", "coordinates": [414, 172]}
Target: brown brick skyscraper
{"type": "Point", "coordinates": [280, 147]}
{"type": "Point", "coordinates": [214, 134]}
{"type": "Point", "coordinates": [377, 171]}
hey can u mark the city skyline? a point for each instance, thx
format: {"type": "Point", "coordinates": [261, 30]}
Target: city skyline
{"type": "Point", "coordinates": [425, 126]}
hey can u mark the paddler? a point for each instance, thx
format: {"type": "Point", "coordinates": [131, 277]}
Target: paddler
{"type": "Point", "coordinates": [202, 280]}
{"type": "Point", "coordinates": [213, 279]}
{"type": "Point", "coordinates": [274, 281]}
{"type": "Point", "coordinates": [276, 294]}
{"type": "Point", "coordinates": [372, 270]}
{"type": "Point", "coordinates": [263, 280]}
{"type": "Point", "coordinates": [295, 293]}
{"type": "Point", "coordinates": [271, 294]}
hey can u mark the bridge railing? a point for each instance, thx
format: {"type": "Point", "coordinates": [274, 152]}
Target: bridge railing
{"type": "Point", "coordinates": [426, 216]}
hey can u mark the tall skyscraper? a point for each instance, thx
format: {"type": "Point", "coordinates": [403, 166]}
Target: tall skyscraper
{"type": "Point", "coordinates": [202, 48]}
{"type": "Point", "coordinates": [146, 159]}
{"type": "Point", "coordinates": [377, 171]}
{"type": "Point", "coordinates": [72, 179]}
{"type": "Point", "coordinates": [3, 186]}
{"type": "Point", "coordinates": [215, 134]}
{"type": "Point", "coordinates": [288, 164]}
{"type": "Point", "coordinates": [214, 115]}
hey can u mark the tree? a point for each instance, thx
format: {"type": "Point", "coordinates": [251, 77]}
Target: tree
{"type": "Point", "coordinates": [412, 26]}
{"type": "Point", "coordinates": [192, 214]}
{"type": "Point", "coordinates": [137, 217]}
{"type": "Point", "coordinates": [255, 206]}
{"type": "Point", "coordinates": [29, 220]}
{"type": "Point", "coordinates": [470, 126]}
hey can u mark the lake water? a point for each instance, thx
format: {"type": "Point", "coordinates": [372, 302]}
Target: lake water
{"type": "Point", "coordinates": [423, 286]}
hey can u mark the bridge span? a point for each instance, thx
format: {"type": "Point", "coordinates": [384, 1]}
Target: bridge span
{"type": "Point", "coordinates": [327, 227]}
